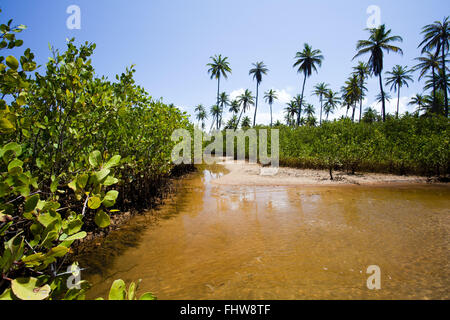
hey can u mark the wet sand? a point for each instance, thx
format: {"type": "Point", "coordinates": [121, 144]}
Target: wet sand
{"type": "Point", "coordinates": [250, 174]}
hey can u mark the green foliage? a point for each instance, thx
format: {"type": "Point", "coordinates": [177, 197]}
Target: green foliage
{"type": "Point", "coordinates": [73, 148]}
{"type": "Point", "coordinates": [119, 291]}
{"type": "Point", "coordinates": [407, 145]}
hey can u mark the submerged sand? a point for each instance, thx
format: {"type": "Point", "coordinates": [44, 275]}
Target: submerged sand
{"type": "Point", "coordinates": [245, 173]}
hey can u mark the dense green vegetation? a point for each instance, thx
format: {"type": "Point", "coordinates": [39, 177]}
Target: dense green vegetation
{"type": "Point", "coordinates": [75, 149]}
{"type": "Point", "coordinates": [406, 145]}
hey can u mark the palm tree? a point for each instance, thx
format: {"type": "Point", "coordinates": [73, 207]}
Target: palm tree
{"type": "Point", "coordinates": [306, 61]}
{"type": "Point", "coordinates": [351, 93]}
{"type": "Point", "coordinates": [215, 112]}
{"type": "Point", "coordinates": [379, 40]}
{"type": "Point", "coordinates": [419, 101]}
{"type": "Point", "coordinates": [436, 36]}
{"type": "Point", "coordinates": [299, 101]}
{"type": "Point", "coordinates": [199, 110]}
{"type": "Point", "coordinates": [320, 90]}
{"type": "Point", "coordinates": [219, 67]}
{"type": "Point", "coordinates": [309, 110]}
{"type": "Point", "coordinates": [246, 122]}
{"type": "Point", "coordinates": [257, 72]}
{"type": "Point", "coordinates": [231, 124]}
{"type": "Point", "coordinates": [223, 102]}
{"type": "Point", "coordinates": [245, 100]}
{"type": "Point", "coordinates": [202, 116]}
{"type": "Point", "coordinates": [331, 102]}
{"type": "Point", "coordinates": [291, 110]}
{"type": "Point", "coordinates": [370, 115]}
{"type": "Point", "coordinates": [379, 97]}
{"type": "Point", "coordinates": [426, 64]}
{"type": "Point", "coordinates": [440, 82]}
{"type": "Point", "coordinates": [397, 78]}
{"type": "Point", "coordinates": [362, 71]}
{"type": "Point", "coordinates": [270, 96]}
{"type": "Point", "coordinates": [234, 107]}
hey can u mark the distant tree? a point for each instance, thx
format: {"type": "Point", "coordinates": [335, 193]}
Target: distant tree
{"type": "Point", "coordinates": [246, 122]}
{"type": "Point", "coordinates": [419, 101]}
{"type": "Point", "coordinates": [436, 36]}
{"type": "Point", "coordinates": [259, 68]}
{"type": "Point", "coordinates": [429, 63]}
{"type": "Point", "coordinates": [215, 113]}
{"type": "Point", "coordinates": [270, 96]}
{"type": "Point", "coordinates": [306, 61]}
{"type": "Point", "coordinates": [290, 111]}
{"type": "Point", "coordinates": [320, 90]}
{"type": "Point", "coordinates": [219, 67]}
{"type": "Point", "coordinates": [397, 78]}
{"type": "Point", "coordinates": [378, 41]}
{"type": "Point", "coordinates": [223, 102]}
{"type": "Point", "coordinates": [370, 115]}
{"type": "Point", "coordinates": [362, 71]}
{"type": "Point", "coordinates": [331, 102]}
{"type": "Point", "coordinates": [245, 100]}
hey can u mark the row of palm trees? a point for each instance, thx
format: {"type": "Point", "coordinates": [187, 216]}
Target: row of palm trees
{"type": "Point", "coordinates": [432, 65]}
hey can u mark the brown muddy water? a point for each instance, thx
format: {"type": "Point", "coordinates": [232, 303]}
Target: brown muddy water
{"type": "Point", "coordinates": [240, 242]}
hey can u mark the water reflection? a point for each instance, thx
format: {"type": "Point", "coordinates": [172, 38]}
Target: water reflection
{"type": "Point", "coordinates": [243, 242]}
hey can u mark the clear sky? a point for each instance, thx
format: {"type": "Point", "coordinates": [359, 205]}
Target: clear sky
{"type": "Point", "coordinates": [170, 41]}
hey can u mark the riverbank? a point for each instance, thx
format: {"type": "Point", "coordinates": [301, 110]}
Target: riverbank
{"type": "Point", "coordinates": [245, 173]}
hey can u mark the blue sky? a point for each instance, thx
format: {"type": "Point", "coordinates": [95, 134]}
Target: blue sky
{"type": "Point", "coordinates": [170, 41]}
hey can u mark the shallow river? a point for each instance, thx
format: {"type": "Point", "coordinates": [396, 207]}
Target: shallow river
{"type": "Point", "coordinates": [240, 242]}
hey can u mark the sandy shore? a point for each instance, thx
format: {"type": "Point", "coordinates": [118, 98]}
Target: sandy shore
{"type": "Point", "coordinates": [244, 173]}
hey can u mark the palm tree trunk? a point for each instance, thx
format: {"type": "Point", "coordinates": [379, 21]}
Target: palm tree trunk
{"type": "Point", "coordinates": [321, 106]}
{"type": "Point", "coordinates": [434, 106]}
{"type": "Point", "coordinates": [353, 112]}
{"type": "Point", "coordinates": [383, 104]}
{"type": "Point", "coordinates": [271, 115]}
{"type": "Point", "coordinates": [445, 80]}
{"type": "Point", "coordinates": [212, 124]}
{"type": "Point", "coordinates": [218, 99]}
{"type": "Point", "coordinates": [398, 102]}
{"type": "Point", "coordinates": [361, 101]}
{"type": "Point", "coordinates": [256, 105]}
{"type": "Point", "coordinates": [301, 102]}
{"type": "Point", "coordinates": [239, 120]}
{"type": "Point", "coordinates": [360, 109]}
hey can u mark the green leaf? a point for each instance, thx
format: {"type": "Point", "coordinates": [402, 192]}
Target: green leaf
{"type": "Point", "coordinates": [12, 62]}
{"type": "Point", "coordinates": [7, 295]}
{"type": "Point", "coordinates": [31, 203]}
{"type": "Point", "coordinates": [110, 198]}
{"type": "Point", "coordinates": [94, 202]}
{"type": "Point", "coordinates": [148, 296]}
{"type": "Point", "coordinates": [16, 163]}
{"type": "Point", "coordinates": [95, 158]}
{"type": "Point", "coordinates": [102, 219]}
{"type": "Point", "coordinates": [101, 175]}
{"type": "Point", "coordinates": [118, 290]}
{"type": "Point", "coordinates": [13, 146]}
{"type": "Point", "coordinates": [132, 291]}
{"type": "Point", "coordinates": [77, 236]}
{"type": "Point", "coordinates": [6, 125]}
{"type": "Point", "coordinates": [114, 161]}
{"type": "Point", "coordinates": [109, 181]}
{"type": "Point", "coordinates": [27, 289]}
